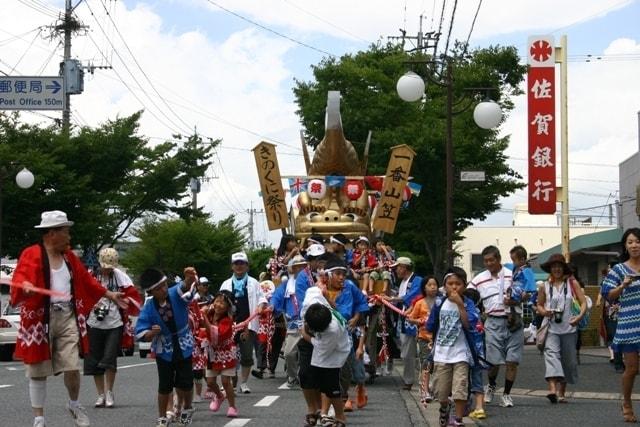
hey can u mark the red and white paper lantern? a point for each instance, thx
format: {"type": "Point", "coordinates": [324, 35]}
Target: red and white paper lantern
{"type": "Point", "coordinates": [317, 188]}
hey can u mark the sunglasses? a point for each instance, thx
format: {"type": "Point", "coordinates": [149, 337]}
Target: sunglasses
{"type": "Point", "coordinates": [239, 263]}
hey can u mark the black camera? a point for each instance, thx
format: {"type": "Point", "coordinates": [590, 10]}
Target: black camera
{"type": "Point", "coordinates": [101, 312]}
{"type": "Point", "coordinates": [557, 316]}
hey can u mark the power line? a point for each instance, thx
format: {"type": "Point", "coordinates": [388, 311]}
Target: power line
{"type": "Point", "coordinates": [126, 85]}
{"type": "Point", "coordinates": [473, 24]}
{"type": "Point", "coordinates": [133, 76]}
{"type": "Point", "coordinates": [284, 36]}
{"type": "Point", "coordinates": [319, 18]}
{"type": "Point", "coordinates": [140, 67]}
{"type": "Point", "coordinates": [453, 15]}
{"type": "Point", "coordinates": [435, 49]}
{"type": "Point", "coordinates": [25, 51]}
{"type": "Point", "coordinates": [39, 9]}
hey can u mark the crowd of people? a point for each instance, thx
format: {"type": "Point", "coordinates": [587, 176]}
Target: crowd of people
{"type": "Point", "coordinates": [338, 311]}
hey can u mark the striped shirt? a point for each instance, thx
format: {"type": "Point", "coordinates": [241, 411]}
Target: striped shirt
{"type": "Point", "coordinates": [628, 329]}
{"type": "Point", "coordinates": [492, 290]}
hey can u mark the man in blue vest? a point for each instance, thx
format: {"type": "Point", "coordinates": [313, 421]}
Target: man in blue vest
{"type": "Point", "coordinates": [408, 291]}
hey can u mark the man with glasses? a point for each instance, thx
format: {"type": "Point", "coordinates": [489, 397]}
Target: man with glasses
{"type": "Point", "coordinates": [249, 300]}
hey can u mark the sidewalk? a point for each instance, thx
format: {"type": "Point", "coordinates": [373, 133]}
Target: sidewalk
{"type": "Point", "coordinates": [597, 381]}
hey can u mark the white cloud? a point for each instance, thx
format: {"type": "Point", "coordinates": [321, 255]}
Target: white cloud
{"type": "Point", "coordinates": [244, 78]}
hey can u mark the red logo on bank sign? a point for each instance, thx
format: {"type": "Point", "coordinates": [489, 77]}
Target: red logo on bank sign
{"type": "Point", "coordinates": [540, 50]}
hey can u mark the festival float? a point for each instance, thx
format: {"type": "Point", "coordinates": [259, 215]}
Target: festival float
{"type": "Point", "coordinates": [336, 195]}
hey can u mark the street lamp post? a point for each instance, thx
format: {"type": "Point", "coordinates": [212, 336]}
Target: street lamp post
{"type": "Point", "coordinates": [487, 115]}
{"type": "Point", "coordinates": [24, 180]}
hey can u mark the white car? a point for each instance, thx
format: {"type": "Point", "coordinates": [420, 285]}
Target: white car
{"type": "Point", "coordinates": [9, 324]}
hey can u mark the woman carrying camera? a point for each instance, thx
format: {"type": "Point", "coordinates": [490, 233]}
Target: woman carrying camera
{"type": "Point", "coordinates": [109, 327]}
{"type": "Point", "coordinates": [554, 304]}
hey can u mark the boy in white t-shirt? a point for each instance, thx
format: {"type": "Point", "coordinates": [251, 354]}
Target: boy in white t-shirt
{"type": "Point", "coordinates": [450, 323]}
{"type": "Point", "coordinates": [326, 329]}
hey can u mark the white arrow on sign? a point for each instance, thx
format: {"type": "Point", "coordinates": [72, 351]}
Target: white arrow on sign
{"type": "Point", "coordinates": [32, 93]}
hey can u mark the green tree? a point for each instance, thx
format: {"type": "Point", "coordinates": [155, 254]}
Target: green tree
{"type": "Point", "coordinates": [105, 178]}
{"type": "Point", "coordinates": [171, 245]}
{"type": "Point", "coordinates": [367, 82]}
{"type": "Point", "coordinates": [258, 260]}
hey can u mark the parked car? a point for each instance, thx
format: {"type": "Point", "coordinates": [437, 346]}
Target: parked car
{"type": "Point", "coordinates": [144, 347]}
{"type": "Point", "coordinates": [9, 318]}
{"type": "Point", "coordinates": [9, 324]}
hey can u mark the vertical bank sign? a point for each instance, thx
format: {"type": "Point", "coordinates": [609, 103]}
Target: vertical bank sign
{"type": "Point", "coordinates": [541, 87]}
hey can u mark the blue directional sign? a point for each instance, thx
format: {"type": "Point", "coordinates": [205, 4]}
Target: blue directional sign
{"type": "Point", "coordinates": [32, 93]}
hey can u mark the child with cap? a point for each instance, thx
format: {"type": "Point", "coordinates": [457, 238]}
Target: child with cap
{"type": "Point", "coordinates": [164, 321]}
{"type": "Point", "coordinates": [363, 262]}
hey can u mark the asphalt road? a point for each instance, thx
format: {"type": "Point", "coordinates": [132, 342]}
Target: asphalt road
{"type": "Point", "coordinates": [135, 397]}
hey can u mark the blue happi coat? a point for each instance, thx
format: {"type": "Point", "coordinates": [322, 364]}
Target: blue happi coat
{"type": "Point", "coordinates": [162, 344]}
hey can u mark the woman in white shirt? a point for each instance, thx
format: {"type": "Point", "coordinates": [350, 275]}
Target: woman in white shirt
{"type": "Point", "coordinates": [554, 304]}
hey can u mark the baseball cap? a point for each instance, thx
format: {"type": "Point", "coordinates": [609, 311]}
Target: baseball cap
{"type": "Point", "coordinates": [239, 257]}
{"type": "Point", "coordinates": [315, 250]}
{"type": "Point", "coordinates": [403, 260]}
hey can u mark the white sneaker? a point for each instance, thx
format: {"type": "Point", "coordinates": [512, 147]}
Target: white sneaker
{"type": "Point", "coordinates": [506, 402]}
{"type": "Point", "coordinates": [197, 398]}
{"type": "Point", "coordinates": [79, 415]}
{"type": "Point", "coordinates": [38, 422]}
{"type": "Point", "coordinates": [99, 401]}
{"type": "Point", "coordinates": [244, 388]}
{"type": "Point", "coordinates": [108, 399]}
{"type": "Point", "coordinates": [162, 422]}
{"type": "Point", "coordinates": [488, 393]}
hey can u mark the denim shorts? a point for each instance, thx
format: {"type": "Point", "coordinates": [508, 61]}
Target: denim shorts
{"type": "Point", "coordinates": [475, 374]}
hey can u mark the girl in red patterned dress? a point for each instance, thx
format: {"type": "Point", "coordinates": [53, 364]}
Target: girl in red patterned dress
{"type": "Point", "coordinates": [222, 351]}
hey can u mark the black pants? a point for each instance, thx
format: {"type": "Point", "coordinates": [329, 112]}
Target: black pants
{"type": "Point", "coordinates": [104, 346]}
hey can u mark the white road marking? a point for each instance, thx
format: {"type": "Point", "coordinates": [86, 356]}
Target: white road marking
{"type": "Point", "coordinates": [15, 368]}
{"type": "Point", "coordinates": [135, 365]}
{"type": "Point", "coordinates": [284, 386]}
{"type": "Point", "coordinates": [238, 422]}
{"type": "Point", "coordinates": [267, 401]}
{"type": "Point", "coordinates": [6, 385]}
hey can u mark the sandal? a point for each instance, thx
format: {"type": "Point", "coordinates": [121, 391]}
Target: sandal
{"type": "Point", "coordinates": [311, 419]}
{"type": "Point", "coordinates": [327, 421]}
{"type": "Point", "coordinates": [444, 416]}
{"type": "Point", "coordinates": [627, 413]}
{"type": "Point", "coordinates": [553, 398]}
{"type": "Point", "coordinates": [562, 399]}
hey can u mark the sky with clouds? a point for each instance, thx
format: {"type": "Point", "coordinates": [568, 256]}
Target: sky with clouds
{"type": "Point", "coordinates": [227, 68]}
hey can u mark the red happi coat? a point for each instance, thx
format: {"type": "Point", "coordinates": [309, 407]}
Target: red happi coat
{"type": "Point", "coordinates": [32, 345]}
{"type": "Point", "coordinates": [201, 341]}
{"type": "Point", "coordinates": [222, 351]}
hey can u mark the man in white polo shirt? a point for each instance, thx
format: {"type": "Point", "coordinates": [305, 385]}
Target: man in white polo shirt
{"type": "Point", "coordinates": [504, 340]}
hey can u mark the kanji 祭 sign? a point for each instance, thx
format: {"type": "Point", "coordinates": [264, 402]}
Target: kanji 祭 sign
{"type": "Point", "coordinates": [395, 181]}
{"type": "Point", "coordinates": [271, 185]}
{"type": "Point", "coordinates": [541, 123]}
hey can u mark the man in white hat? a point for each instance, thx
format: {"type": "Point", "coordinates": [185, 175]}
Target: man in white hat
{"type": "Point", "coordinates": [408, 290]}
{"type": "Point", "coordinates": [249, 300]}
{"type": "Point", "coordinates": [284, 300]}
{"type": "Point", "coordinates": [53, 331]}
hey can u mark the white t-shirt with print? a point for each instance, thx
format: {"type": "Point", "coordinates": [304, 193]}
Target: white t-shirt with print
{"type": "Point", "coordinates": [451, 345]}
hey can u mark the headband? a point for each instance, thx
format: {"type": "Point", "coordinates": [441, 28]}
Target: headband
{"type": "Point", "coordinates": [328, 270]}
{"type": "Point", "coordinates": [334, 240]}
{"type": "Point", "coordinates": [158, 283]}
{"type": "Point", "coordinates": [446, 276]}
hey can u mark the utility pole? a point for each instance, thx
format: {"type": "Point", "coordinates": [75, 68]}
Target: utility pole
{"type": "Point", "coordinates": [70, 69]}
{"type": "Point", "coordinates": [252, 212]}
{"type": "Point", "coordinates": [424, 41]}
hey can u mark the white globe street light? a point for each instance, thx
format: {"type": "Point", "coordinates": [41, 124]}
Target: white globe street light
{"type": "Point", "coordinates": [24, 178]}
{"type": "Point", "coordinates": [410, 87]}
{"type": "Point", "coordinates": [487, 114]}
